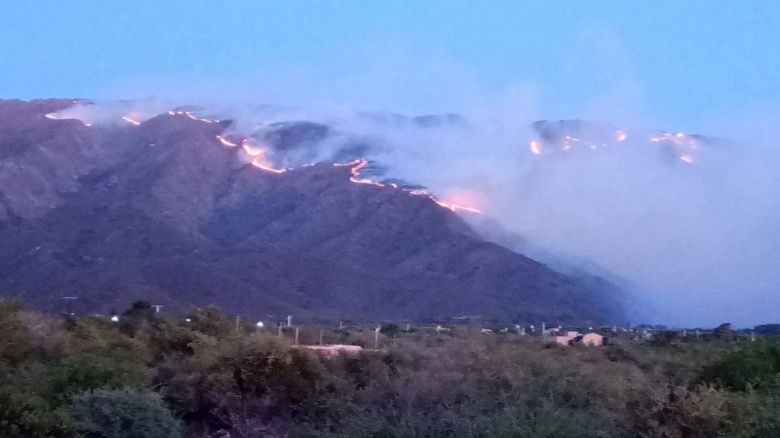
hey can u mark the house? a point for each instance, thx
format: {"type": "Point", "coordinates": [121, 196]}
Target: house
{"type": "Point", "coordinates": [593, 340]}
{"type": "Point", "coordinates": [573, 337]}
{"type": "Point", "coordinates": [566, 338]}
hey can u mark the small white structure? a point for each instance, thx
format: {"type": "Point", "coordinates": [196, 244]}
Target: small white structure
{"type": "Point", "coordinates": [440, 329]}
{"type": "Point", "coordinates": [334, 350]}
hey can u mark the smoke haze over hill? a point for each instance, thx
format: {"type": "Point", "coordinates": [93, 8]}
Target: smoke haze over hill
{"type": "Point", "coordinates": [696, 241]}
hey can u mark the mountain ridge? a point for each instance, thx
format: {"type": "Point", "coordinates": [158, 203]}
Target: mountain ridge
{"type": "Point", "coordinates": [163, 212]}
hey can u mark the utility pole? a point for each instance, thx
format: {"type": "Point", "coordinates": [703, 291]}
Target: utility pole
{"type": "Point", "coordinates": [289, 320]}
{"type": "Point", "coordinates": [320, 336]}
{"type": "Point", "coordinates": [280, 329]}
{"type": "Point", "coordinates": [296, 335]}
{"type": "Point", "coordinates": [376, 337]}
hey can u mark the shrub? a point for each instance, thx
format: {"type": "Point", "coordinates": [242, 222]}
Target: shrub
{"type": "Point", "coordinates": [122, 413]}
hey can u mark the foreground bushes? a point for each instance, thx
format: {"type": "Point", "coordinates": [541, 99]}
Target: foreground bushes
{"type": "Point", "coordinates": [148, 376]}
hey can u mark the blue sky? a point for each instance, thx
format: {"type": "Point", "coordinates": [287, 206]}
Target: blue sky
{"type": "Point", "coordinates": [680, 64]}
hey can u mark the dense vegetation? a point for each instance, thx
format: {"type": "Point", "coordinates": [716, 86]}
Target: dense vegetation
{"type": "Point", "coordinates": [203, 374]}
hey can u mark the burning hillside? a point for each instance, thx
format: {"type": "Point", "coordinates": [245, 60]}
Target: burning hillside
{"type": "Point", "coordinates": [183, 210]}
{"type": "Point", "coordinates": [574, 135]}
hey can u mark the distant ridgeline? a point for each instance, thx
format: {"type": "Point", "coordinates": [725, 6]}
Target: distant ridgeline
{"type": "Point", "coordinates": [768, 329]}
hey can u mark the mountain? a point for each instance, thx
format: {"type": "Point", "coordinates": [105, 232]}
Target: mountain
{"type": "Point", "coordinates": [173, 211]}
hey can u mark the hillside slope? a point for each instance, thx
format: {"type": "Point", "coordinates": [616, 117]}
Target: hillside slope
{"type": "Point", "coordinates": [164, 212]}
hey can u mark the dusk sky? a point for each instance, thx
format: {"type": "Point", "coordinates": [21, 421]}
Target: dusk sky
{"type": "Point", "coordinates": [680, 64]}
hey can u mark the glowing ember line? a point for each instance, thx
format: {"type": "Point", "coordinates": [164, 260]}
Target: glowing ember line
{"type": "Point", "coordinates": [260, 165]}
{"type": "Point", "coordinates": [261, 162]}
{"type": "Point", "coordinates": [191, 115]}
{"type": "Point", "coordinates": [365, 181]}
{"type": "Point", "coordinates": [687, 159]}
{"type": "Point", "coordinates": [455, 207]}
{"type": "Point", "coordinates": [250, 150]}
{"type": "Point", "coordinates": [356, 165]}
{"type": "Point", "coordinates": [55, 116]}
{"type": "Point", "coordinates": [130, 120]}
{"type": "Point", "coordinates": [226, 142]}
{"type": "Point", "coordinates": [355, 173]}
{"type": "Point", "coordinates": [351, 163]}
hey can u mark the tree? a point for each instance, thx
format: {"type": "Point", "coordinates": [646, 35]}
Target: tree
{"type": "Point", "coordinates": [137, 315]}
{"type": "Point", "coordinates": [123, 413]}
{"type": "Point", "coordinates": [723, 331]}
{"type": "Point", "coordinates": [755, 366]}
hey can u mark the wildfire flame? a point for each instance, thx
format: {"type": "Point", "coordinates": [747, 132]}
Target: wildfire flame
{"type": "Point", "coordinates": [536, 147]}
{"type": "Point", "coordinates": [257, 156]}
{"type": "Point", "coordinates": [455, 207]}
{"type": "Point", "coordinates": [358, 164]}
{"type": "Point", "coordinates": [261, 163]}
{"type": "Point", "coordinates": [250, 150]}
{"type": "Point", "coordinates": [131, 119]}
{"type": "Point", "coordinates": [687, 159]}
{"type": "Point", "coordinates": [56, 116]}
{"type": "Point", "coordinates": [226, 142]}
{"type": "Point", "coordinates": [191, 115]}
{"type": "Point", "coordinates": [355, 174]}
{"type": "Point", "coordinates": [682, 141]}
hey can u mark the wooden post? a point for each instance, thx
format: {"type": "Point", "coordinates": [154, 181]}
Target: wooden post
{"type": "Point", "coordinates": [320, 336]}
{"type": "Point", "coordinates": [376, 337]}
{"type": "Point", "coordinates": [280, 329]}
{"type": "Point", "coordinates": [296, 335]}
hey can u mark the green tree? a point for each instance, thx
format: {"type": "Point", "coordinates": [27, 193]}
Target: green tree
{"type": "Point", "coordinates": [757, 365]}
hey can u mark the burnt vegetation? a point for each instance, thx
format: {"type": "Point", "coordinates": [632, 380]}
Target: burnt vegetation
{"type": "Point", "coordinates": [205, 374]}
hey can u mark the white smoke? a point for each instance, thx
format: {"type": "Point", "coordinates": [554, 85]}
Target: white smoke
{"type": "Point", "coordinates": [700, 241]}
